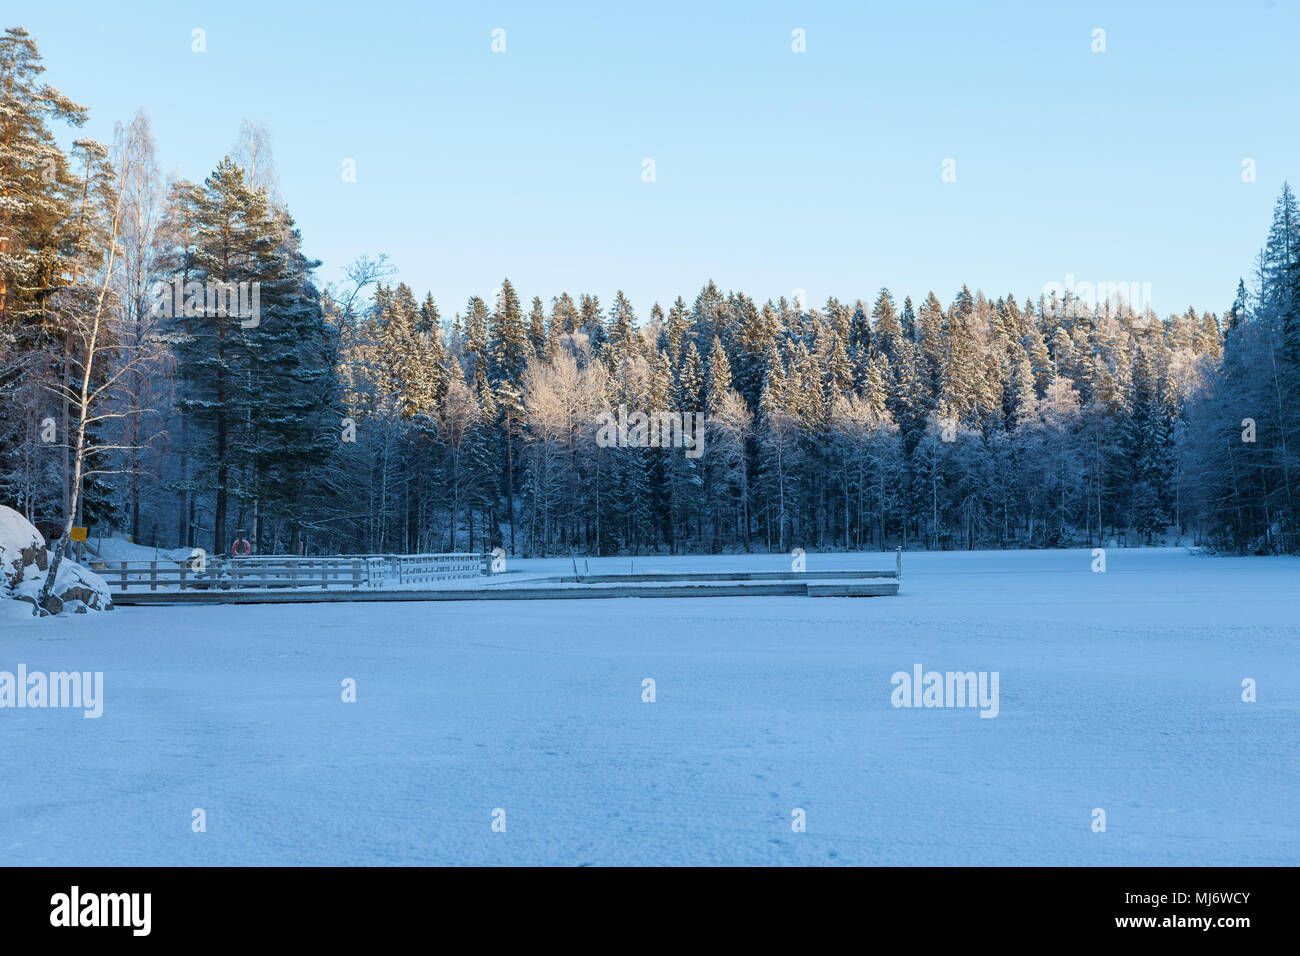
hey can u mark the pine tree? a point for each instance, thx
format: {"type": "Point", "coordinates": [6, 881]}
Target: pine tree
{"type": "Point", "coordinates": [779, 458]}
{"type": "Point", "coordinates": [564, 316]}
{"type": "Point", "coordinates": [719, 376]}
{"type": "Point", "coordinates": [477, 348]}
{"type": "Point", "coordinates": [41, 253]}
{"type": "Point", "coordinates": [678, 328]}
{"type": "Point", "coordinates": [592, 321]}
{"type": "Point", "coordinates": [509, 345]}
{"type": "Point", "coordinates": [705, 314]}
{"type": "Point", "coordinates": [259, 385]}
{"type": "Point", "coordinates": [756, 339]}
{"type": "Point", "coordinates": [876, 387]}
{"type": "Point", "coordinates": [537, 328]}
{"type": "Point", "coordinates": [34, 178]}
{"type": "Point", "coordinates": [1281, 251]}
{"type": "Point", "coordinates": [838, 369]}
{"type": "Point", "coordinates": [624, 339]}
{"type": "Point", "coordinates": [430, 320]}
{"type": "Point", "coordinates": [907, 319]}
{"type": "Point", "coordinates": [690, 381]}
{"type": "Point", "coordinates": [888, 327]}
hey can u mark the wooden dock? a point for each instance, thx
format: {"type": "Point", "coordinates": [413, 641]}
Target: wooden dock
{"type": "Point", "coordinates": [543, 587]}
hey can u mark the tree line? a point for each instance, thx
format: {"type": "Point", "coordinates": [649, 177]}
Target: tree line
{"type": "Point", "coordinates": [355, 417]}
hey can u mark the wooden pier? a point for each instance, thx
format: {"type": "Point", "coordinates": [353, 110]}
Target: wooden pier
{"type": "Point", "coordinates": [348, 582]}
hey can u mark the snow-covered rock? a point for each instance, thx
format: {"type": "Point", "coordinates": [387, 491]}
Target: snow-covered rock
{"type": "Point", "coordinates": [24, 560]}
{"type": "Point", "coordinates": [21, 545]}
{"type": "Point", "coordinates": [74, 585]}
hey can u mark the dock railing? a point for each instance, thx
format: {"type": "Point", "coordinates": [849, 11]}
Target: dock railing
{"type": "Point", "coordinates": [352, 572]}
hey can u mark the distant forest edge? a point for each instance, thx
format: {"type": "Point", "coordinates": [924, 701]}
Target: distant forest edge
{"type": "Point", "coordinates": [354, 418]}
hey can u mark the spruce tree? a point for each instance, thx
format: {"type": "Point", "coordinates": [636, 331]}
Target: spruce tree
{"type": "Point", "coordinates": [719, 376]}
{"type": "Point", "coordinates": [430, 320]}
{"type": "Point", "coordinates": [537, 328]}
{"type": "Point", "coordinates": [509, 338]}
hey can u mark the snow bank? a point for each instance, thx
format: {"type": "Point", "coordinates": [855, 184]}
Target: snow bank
{"type": "Point", "coordinates": [119, 549]}
{"type": "Point", "coordinates": [24, 560]}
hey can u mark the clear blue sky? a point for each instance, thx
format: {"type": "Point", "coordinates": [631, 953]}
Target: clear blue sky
{"type": "Point", "coordinates": [774, 170]}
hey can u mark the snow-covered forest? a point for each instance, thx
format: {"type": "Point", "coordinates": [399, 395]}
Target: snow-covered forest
{"type": "Point", "coordinates": [365, 416]}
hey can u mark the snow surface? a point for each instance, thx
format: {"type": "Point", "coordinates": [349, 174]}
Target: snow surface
{"type": "Point", "coordinates": [119, 549]}
{"type": "Point", "coordinates": [1119, 691]}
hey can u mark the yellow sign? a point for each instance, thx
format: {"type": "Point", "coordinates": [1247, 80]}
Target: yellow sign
{"type": "Point", "coordinates": [78, 534]}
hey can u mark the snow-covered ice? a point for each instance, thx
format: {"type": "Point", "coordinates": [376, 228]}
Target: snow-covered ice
{"type": "Point", "coordinates": [1119, 690]}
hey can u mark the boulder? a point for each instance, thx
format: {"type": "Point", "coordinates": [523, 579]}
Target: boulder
{"type": "Point", "coordinates": [24, 560]}
{"type": "Point", "coordinates": [74, 583]}
{"type": "Point", "coordinates": [24, 601]}
{"type": "Point", "coordinates": [21, 546]}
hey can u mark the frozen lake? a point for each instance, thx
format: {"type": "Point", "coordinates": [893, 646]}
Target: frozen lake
{"type": "Point", "coordinates": [1119, 690]}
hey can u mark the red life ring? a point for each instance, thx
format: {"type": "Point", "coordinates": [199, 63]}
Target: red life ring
{"type": "Point", "coordinates": [241, 542]}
